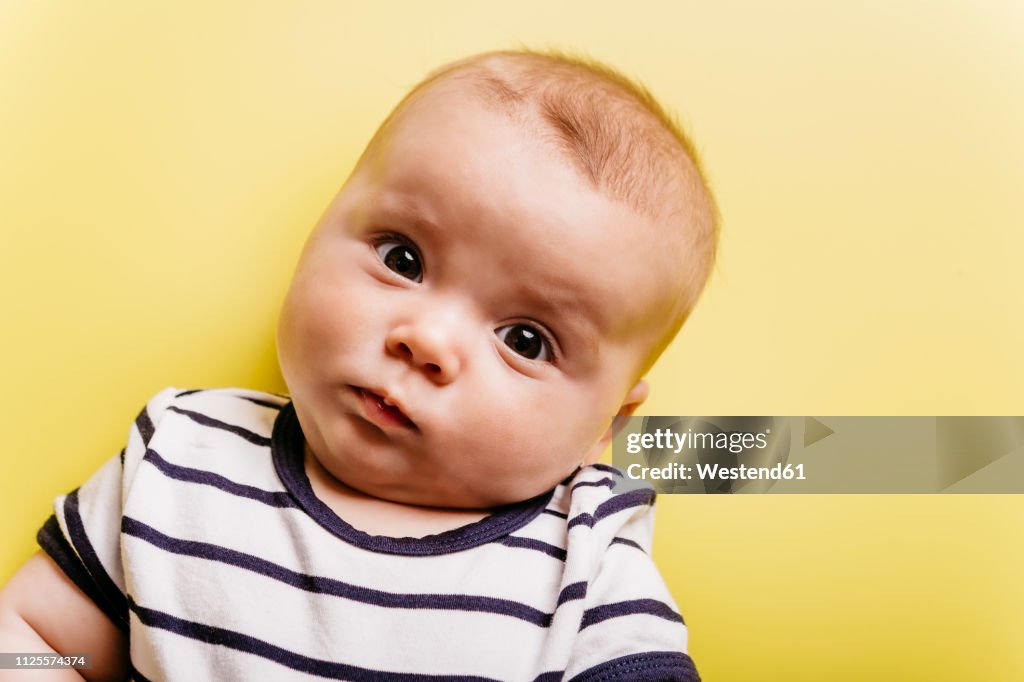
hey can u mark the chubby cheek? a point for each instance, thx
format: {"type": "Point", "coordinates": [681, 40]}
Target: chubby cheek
{"type": "Point", "coordinates": [302, 340]}
{"type": "Point", "coordinates": [522, 442]}
{"type": "Point", "coordinates": [322, 319]}
{"type": "Point", "coordinates": [290, 335]}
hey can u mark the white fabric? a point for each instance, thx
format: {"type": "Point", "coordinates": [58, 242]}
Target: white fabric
{"type": "Point", "coordinates": [197, 560]}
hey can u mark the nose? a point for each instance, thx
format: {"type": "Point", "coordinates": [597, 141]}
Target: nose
{"type": "Point", "coordinates": [429, 343]}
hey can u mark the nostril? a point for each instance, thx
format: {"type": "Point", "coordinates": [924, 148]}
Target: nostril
{"type": "Point", "coordinates": [404, 350]}
{"type": "Point", "coordinates": [432, 368]}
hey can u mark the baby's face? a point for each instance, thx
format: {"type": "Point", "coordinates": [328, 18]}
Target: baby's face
{"type": "Point", "coordinates": [469, 314]}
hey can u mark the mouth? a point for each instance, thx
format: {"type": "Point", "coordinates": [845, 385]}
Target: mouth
{"type": "Point", "coordinates": [382, 410]}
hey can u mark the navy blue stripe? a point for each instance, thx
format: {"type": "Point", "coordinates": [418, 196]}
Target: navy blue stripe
{"type": "Point", "coordinates": [583, 519]}
{"type": "Point", "coordinates": [628, 542]}
{"type": "Point", "coordinates": [537, 545]}
{"type": "Point", "coordinates": [255, 400]}
{"type": "Point", "coordinates": [649, 666]}
{"type": "Point", "coordinates": [605, 482]}
{"type": "Point", "coordinates": [330, 586]}
{"type": "Point", "coordinates": [145, 426]}
{"type": "Point", "coordinates": [555, 676]}
{"type": "Point", "coordinates": [572, 592]}
{"type": "Point", "coordinates": [555, 512]}
{"type": "Point", "coordinates": [201, 418]}
{"type": "Point", "coordinates": [262, 403]}
{"type": "Point", "coordinates": [634, 498]}
{"type": "Point", "coordinates": [253, 645]}
{"type": "Point", "coordinates": [608, 469]}
{"type": "Point", "coordinates": [112, 595]}
{"type": "Point", "coordinates": [53, 542]}
{"type": "Point", "coordinates": [181, 473]}
{"type": "Point", "coordinates": [633, 607]}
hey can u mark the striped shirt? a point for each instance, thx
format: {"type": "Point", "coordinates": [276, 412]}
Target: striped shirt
{"type": "Point", "coordinates": [203, 541]}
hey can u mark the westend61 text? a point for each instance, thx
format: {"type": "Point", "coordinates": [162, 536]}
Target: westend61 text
{"type": "Point", "coordinates": [715, 472]}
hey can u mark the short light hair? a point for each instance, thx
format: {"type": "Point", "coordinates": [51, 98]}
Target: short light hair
{"type": "Point", "coordinates": [616, 134]}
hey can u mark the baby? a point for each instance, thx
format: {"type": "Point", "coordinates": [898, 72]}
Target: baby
{"type": "Point", "coordinates": [477, 307]}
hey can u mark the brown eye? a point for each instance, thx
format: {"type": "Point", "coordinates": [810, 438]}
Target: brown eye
{"type": "Point", "coordinates": [526, 341]}
{"type": "Point", "coordinates": [400, 258]}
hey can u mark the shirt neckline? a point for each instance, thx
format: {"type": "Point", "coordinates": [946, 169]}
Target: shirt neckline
{"type": "Point", "coordinates": [287, 449]}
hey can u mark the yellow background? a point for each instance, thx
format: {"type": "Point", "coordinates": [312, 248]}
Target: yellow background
{"type": "Point", "coordinates": [161, 164]}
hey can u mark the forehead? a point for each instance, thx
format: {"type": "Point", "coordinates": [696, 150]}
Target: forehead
{"type": "Point", "coordinates": [494, 185]}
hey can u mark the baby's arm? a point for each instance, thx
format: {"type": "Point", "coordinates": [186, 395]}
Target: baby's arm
{"type": "Point", "coordinates": [630, 628]}
{"type": "Point", "coordinates": [42, 611]}
{"type": "Point", "coordinates": [78, 604]}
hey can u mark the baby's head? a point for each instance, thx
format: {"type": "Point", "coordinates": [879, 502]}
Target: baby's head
{"type": "Point", "coordinates": [520, 240]}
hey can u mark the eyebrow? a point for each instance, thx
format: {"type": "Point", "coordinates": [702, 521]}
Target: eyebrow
{"type": "Point", "coordinates": [565, 314]}
{"type": "Point", "coordinates": [387, 207]}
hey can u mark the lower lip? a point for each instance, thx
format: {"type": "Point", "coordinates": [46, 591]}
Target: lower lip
{"type": "Point", "coordinates": [380, 414]}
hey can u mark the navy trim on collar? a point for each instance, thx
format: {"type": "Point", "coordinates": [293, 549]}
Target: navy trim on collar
{"type": "Point", "coordinates": [287, 447]}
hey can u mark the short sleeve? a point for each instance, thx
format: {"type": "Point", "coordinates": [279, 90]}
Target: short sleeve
{"type": "Point", "coordinates": [83, 534]}
{"type": "Point", "coordinates": [631, 628]}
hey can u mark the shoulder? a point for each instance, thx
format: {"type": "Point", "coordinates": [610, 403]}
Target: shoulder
{"type": "Point", "coordinates": [602, 491]}
{"type": "Point", "coordinates": [219, 400]}
{"type": "Point", "coordinates": [619, 588]}
{"type": "Point", "coordinates": [215, 400]}
{"type": "Point", "coordinates": [204, 406]}
{"type": "Point", "coordinates": [175, 415]}
{"type": "Point", "coordinates": [600, 499]}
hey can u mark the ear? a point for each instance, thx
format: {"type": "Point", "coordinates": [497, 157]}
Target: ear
{"type": "Point", "coordinates": [634, 399]}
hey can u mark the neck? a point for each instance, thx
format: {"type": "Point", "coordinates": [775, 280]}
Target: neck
{"type": "Point", "coordinates": [378, 516]}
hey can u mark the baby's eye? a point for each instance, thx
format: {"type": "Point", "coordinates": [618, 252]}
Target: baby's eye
{"type": "Point", "coordinates": [526, 341]}
{"type": "Point", "coordinates": [401, 258]}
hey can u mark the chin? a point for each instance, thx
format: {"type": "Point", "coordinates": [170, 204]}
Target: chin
{"type": "Point", "coordinates": [454, 501]}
